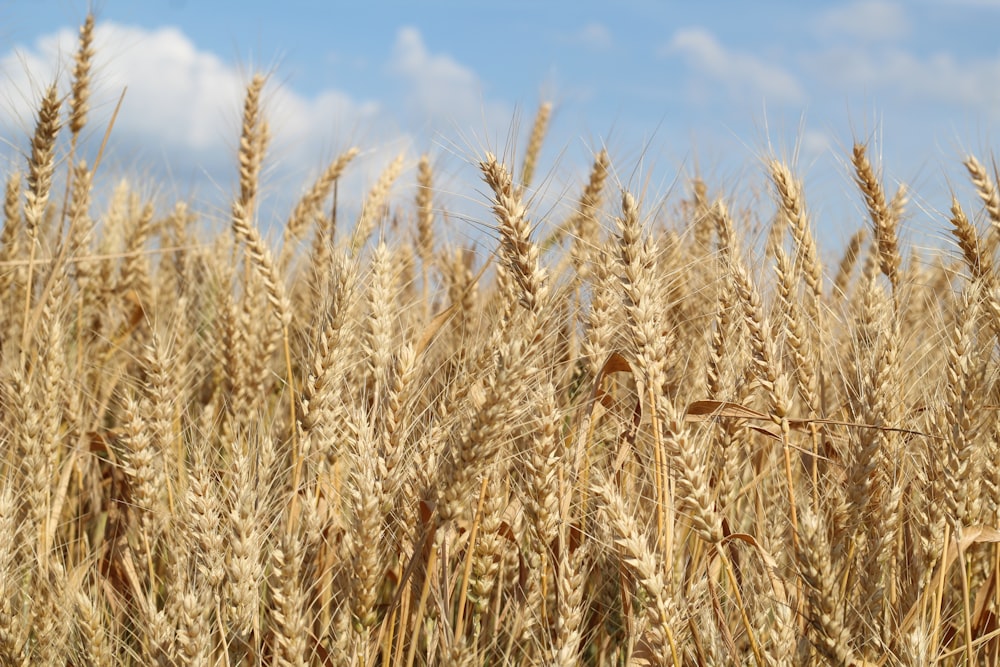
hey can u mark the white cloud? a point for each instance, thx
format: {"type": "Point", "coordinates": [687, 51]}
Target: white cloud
{"type": "Point", "coordinates": [743, 75]}
{"type": "Point", "coordinates": [938, 78]}
{"type": "Point", "coordinates": [175, 92]}
{"type": "Point", "coordinates": [179, 123]}
{"type": "Point", "coordinates": [439, 90]}
{"type": "Point", "coordinates": [594, 36]}
{"type": "Point", "coordinates": [867, 20]}
{"type": "Point", "coordinates": [983, 4]}
{"type": "Point", "coordinates": [179, 98]}
{"type": "Point", "coordinates": [181, 114]}
{"type": "Point", "coordinates": [184, 102]}
{"type": "Point", "coordinates": [815, 143]}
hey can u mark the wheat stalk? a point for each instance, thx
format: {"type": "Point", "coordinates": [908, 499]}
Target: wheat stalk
{"type": "Point", "coordinates": [642, 447]}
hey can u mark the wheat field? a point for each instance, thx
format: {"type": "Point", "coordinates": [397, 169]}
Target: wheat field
{"type": "Point", "coordinates": [615, 437]}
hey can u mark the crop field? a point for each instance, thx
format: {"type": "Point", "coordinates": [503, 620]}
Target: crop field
{"type": "Point", "coordinates": [630, 435]}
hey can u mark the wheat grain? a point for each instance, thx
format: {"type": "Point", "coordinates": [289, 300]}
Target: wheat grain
{"type": "Point", "coordinates": [373, 210]}
{"type": "Point", "coordinates": [519, 253]}
{"type": "Point", "coordinates": [309, 205]}
{"type": "Point", "coordinates": [830, 634]}
{"type": "Point", "coordinates": [425, 211]}
{"type": "Point", "coordinates": [41, 164]}
{"type": "Point", "coordinates": [538, 130]}
{"type": "Point", "coordinates": [637, 447]}
{"type": "Point", "coordinates": [80, 98]}
{"type": "Point", "coordinates": [883, 220]}
{"type": "Point", "coordinates": [986, 188]}
{"type": "Point", "coordinates": [585, 224]}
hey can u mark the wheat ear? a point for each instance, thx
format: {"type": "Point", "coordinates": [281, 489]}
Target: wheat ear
{"type": "Point", "coordinates": [538, 130]}
{"type": "Point", "coordinates": [309, 205]}
{"type": "Point", "coordinates": [986, 188]}
{"type": "Point", "coordinates": [832, 638]}
{"type": "Point", "coordinates": [374, 207]}
{"type": "Point", "coordinates": [519, 253]}
{"type": "Point", "coordinates": [882, 219]}
{"type": "Point", "coordinates": [41, 166]}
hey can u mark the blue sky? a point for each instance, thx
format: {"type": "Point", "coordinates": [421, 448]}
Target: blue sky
{"type": "Point", "coordinates": [669, 87]}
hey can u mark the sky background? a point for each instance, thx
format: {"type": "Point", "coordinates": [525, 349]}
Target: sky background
{"type": "Point", "coordinates": [670, 88]}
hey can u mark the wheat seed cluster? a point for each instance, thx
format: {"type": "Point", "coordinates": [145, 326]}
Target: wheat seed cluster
{"type": "Point", "coordinates": [620, 435]}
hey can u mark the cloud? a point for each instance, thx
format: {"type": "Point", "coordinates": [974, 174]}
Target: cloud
{"type": "Point", "coordinates": [594, 36]}
{"type": "Point", "coordinates": [180, 100]}
{"type": "Point", "coordinates": [742, 75]}
{"type": "Point", "coordinates": [438, 90]}
{"type": "Point", "coordinates": [176, 93]}
{"type": "Point", "coordinates": [816, 142]}
{"type": "Point", "coordinates": [180, 120]}
{"type": "Point", "coordinates": [979, 4]}
{"type": "Point", "coordinates": [866, 20]}
{"type": "Point", "coordinates": [897, 73]}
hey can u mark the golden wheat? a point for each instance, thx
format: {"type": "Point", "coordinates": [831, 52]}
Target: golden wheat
{"type": "Point", "coordinates": [664, 443]}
